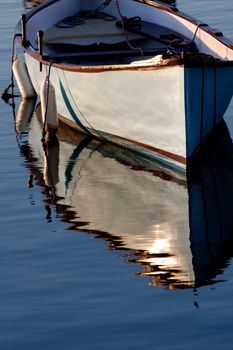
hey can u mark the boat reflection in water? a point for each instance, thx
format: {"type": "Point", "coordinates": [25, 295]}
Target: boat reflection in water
{"type": "Point", "coordinates": [180, 234]}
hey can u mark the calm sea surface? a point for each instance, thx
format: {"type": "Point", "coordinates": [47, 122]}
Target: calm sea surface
{"type": "Point", "coordinates": [100, 249]}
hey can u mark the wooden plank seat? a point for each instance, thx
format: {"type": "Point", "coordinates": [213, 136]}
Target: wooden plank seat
{"type": "Point", "coordinates": [157, 32]}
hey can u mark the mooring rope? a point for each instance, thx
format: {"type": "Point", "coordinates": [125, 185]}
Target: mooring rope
{"type": "Point", "coordinates": [197, 28]}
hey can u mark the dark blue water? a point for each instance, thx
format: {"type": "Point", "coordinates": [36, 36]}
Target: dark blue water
{"type": "Point", "coordinates": [100, 249]}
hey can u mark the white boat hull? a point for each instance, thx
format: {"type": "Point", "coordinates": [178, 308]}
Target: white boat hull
{"type": "Point", "coordinates": [116, 105]}
{"type": "Point", "coordinates": [165, 113]}
{"type": "Point", "coordinates": [162, 106]}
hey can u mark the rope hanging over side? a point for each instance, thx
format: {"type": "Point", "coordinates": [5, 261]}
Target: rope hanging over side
{"type": "Point", "coordinates": [195, 33]}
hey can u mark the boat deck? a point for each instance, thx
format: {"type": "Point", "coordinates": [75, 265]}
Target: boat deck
{"type": "Point", "coordinates": [102, 39]}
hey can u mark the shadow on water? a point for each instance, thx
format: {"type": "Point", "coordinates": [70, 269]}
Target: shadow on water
{"type": "Point", "coordinates": [178, 232]}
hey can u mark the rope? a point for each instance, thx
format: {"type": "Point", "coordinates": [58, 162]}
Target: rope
{"type": "Point", "coordinates": [195, 33]}
{"type": "Point", "coordinates": [125, 31]}
{"type": "Point", "coordinates": [82, 16]}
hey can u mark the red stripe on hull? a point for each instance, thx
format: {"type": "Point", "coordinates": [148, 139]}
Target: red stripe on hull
{"type": "Point", "coordinates": [167, 154]}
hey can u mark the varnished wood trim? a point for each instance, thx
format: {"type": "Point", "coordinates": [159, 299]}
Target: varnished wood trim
{"type": "Point", "coordinates": [105, 68]}
{"type": "Point", "coordinates": [189, 60]}
{"type": "Point", "coordinates": [165, 7]}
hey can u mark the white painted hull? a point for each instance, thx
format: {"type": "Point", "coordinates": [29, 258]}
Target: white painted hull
{"type": "Point", "coordinates": [115, 104]}
{"type": "Point", "coordinates": [163, 113]}
{"type": "Point", "coordinates": [159, 107]}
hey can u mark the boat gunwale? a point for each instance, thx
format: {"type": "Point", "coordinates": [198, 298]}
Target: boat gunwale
{"type": "Point", "coordinates": [105, 68]}
{"type": "Point", "coordinates": [188, 60]}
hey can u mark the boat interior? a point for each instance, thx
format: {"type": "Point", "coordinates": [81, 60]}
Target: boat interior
{"type": "Point", "coordinates": [93, 32]}
{"type": "Point", "coordinates": [99, 37]}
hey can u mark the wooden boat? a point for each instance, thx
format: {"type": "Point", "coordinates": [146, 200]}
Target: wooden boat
{"type": "Point", "coordinates": [133, 72]}
{"type": "Point", "coordinates": [178, 233]}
